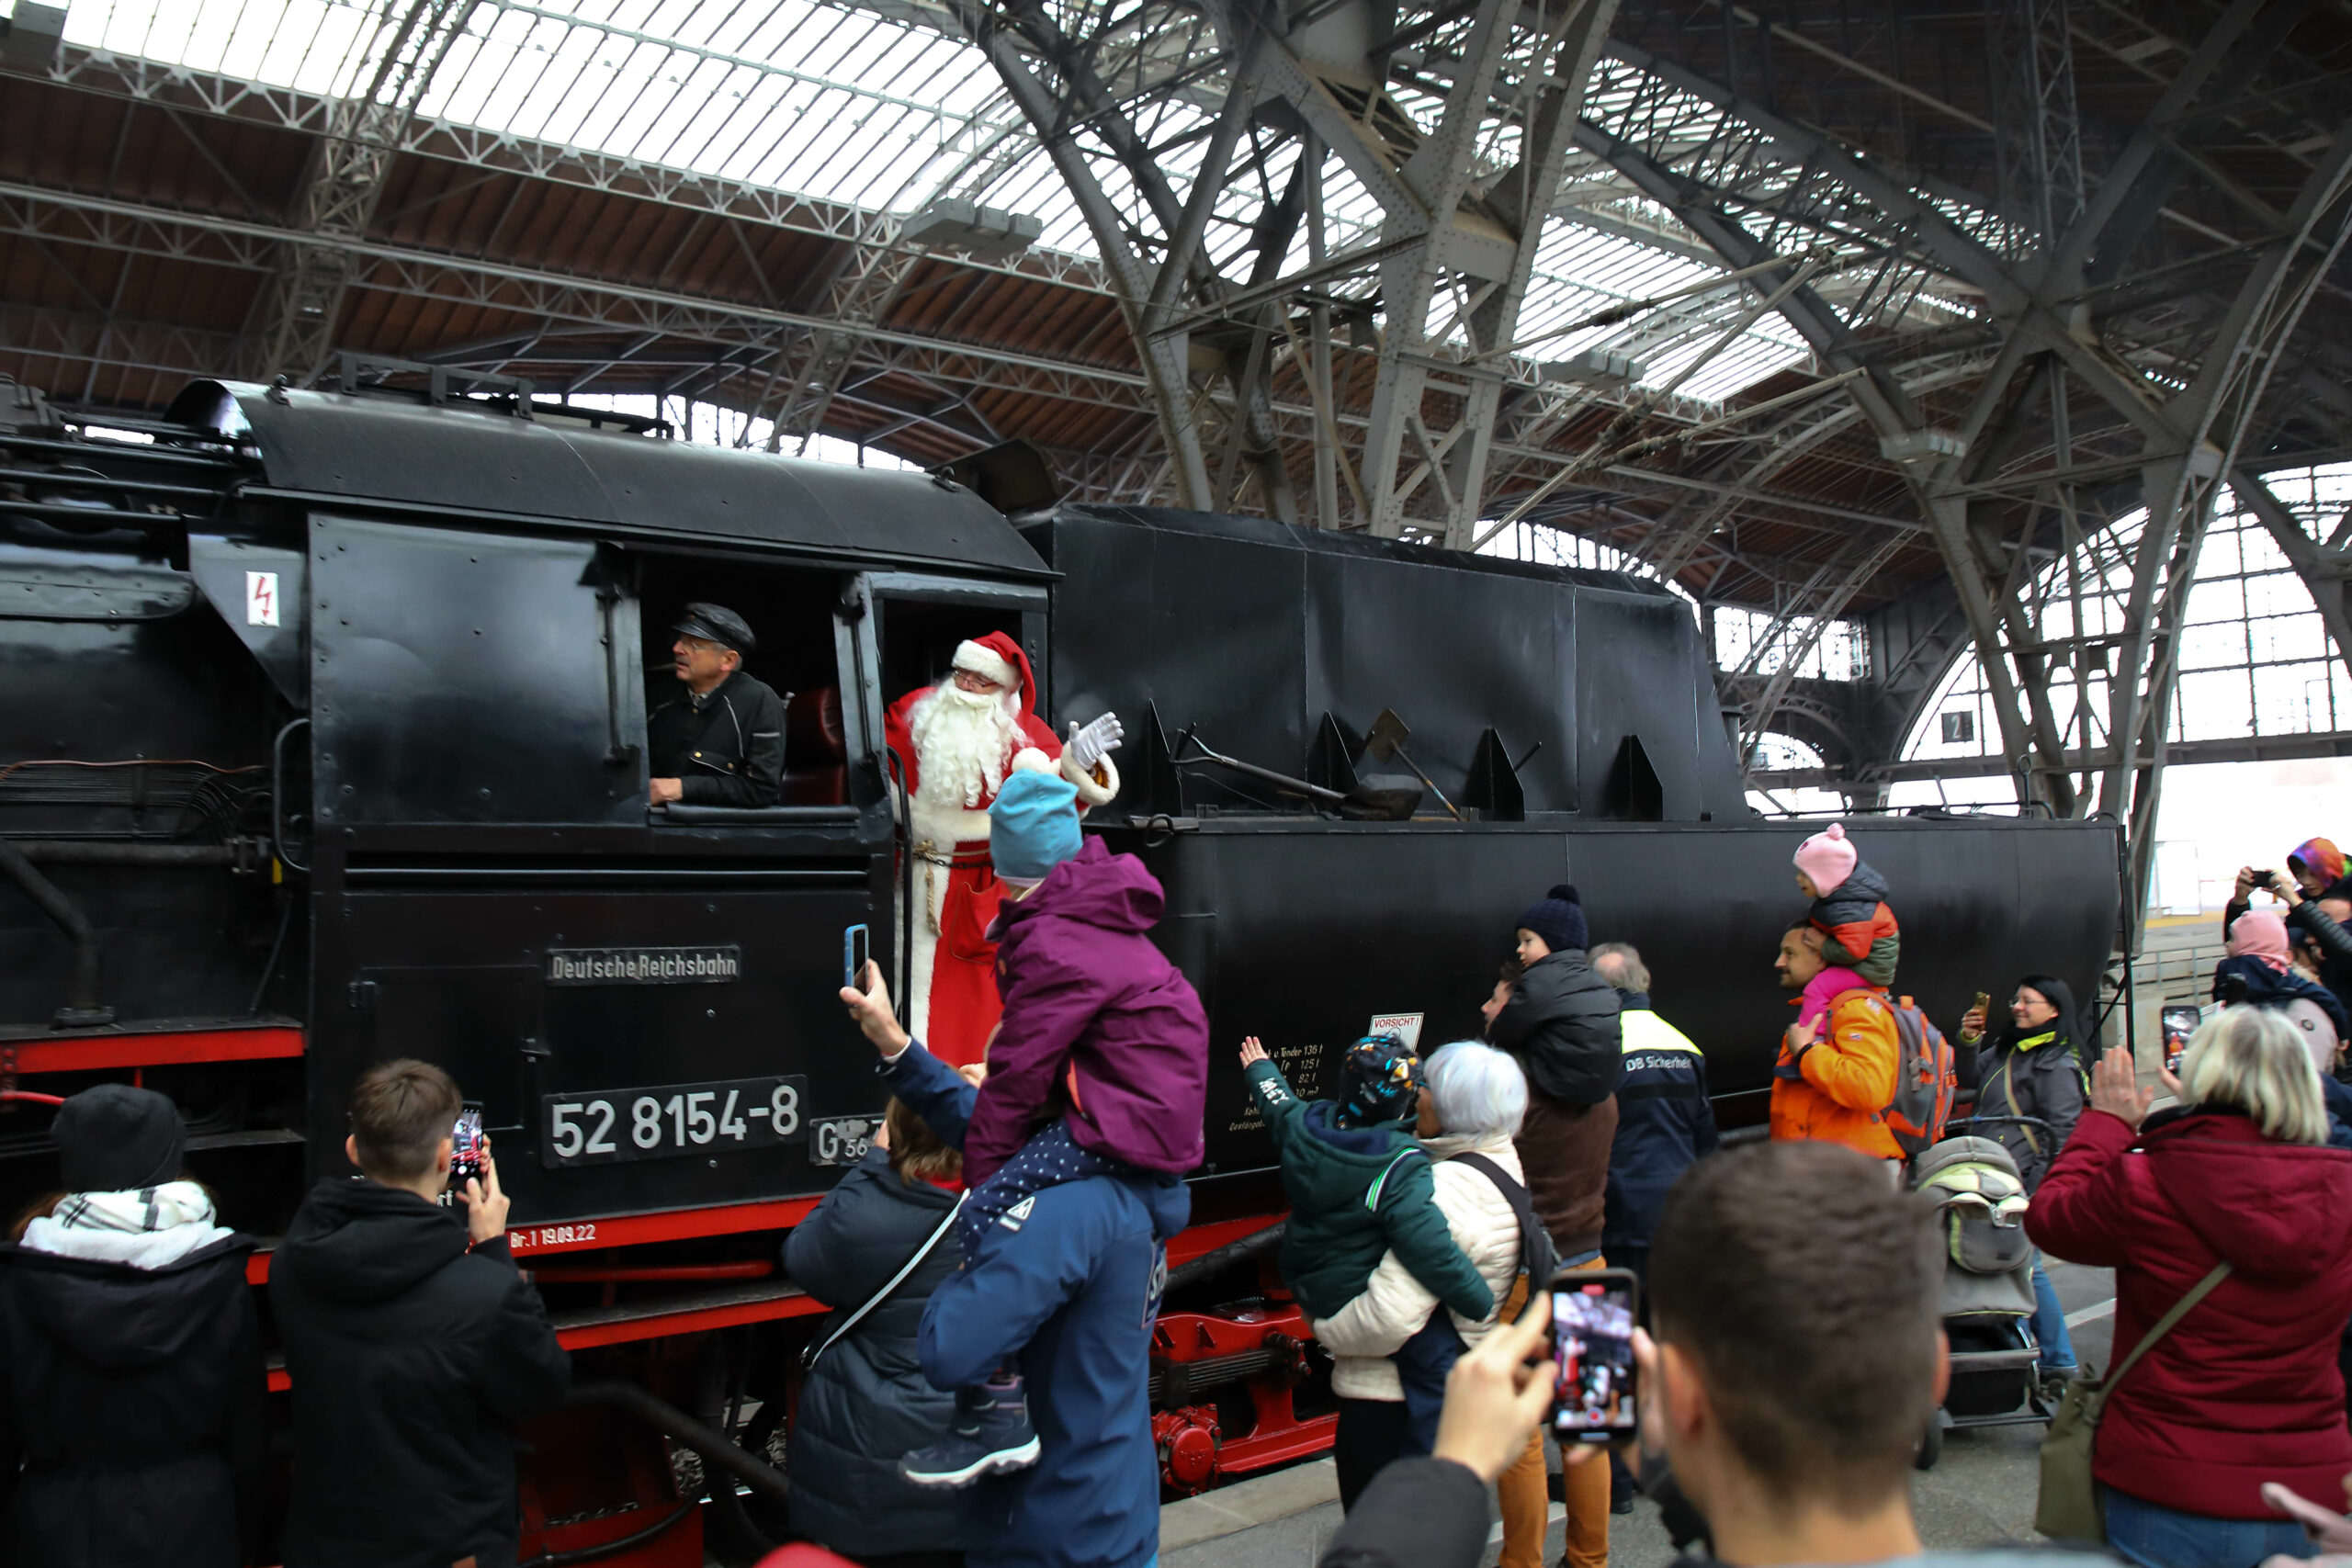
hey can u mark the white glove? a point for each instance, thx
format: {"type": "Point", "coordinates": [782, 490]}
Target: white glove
{"type": "Point", "coordinates": [1088, 742]}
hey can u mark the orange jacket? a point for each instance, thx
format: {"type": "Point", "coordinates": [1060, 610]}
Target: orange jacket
{"type": "Point", "coordinates": [1845, 1081]}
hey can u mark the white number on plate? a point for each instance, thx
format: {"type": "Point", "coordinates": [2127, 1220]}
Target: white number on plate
{"type": "Point", "coordinates": [673, 1119]}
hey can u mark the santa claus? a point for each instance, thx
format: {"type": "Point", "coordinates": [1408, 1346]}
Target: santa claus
{"type": "Point", "coordinates": [957, 742]}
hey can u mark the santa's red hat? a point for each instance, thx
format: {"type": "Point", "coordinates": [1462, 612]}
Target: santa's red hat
{"type": "Point", "coordinates": [998, 657]}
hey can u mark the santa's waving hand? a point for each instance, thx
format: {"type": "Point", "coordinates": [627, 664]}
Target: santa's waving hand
{"type": "Point", "coordinates": [957, 741]}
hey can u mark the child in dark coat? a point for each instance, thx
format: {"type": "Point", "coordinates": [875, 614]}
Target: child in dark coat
{"type": "Point", "coordinates": [1361, 1187]}
{"type": "Point", "coordinates": [1099, 1068]}
{"type": "Point", "coordinates": [1861, 942]}
{"type": "Point", "coordinates": [2258, 956]}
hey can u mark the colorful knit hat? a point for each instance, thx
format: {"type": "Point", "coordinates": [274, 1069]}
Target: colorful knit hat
{"type": "Point", "coordinates": [1384, 1081]}
{"type": "Point", "coordinates": [1828, 858]}
{"type": "Point", "coordinates": [2322, 856]}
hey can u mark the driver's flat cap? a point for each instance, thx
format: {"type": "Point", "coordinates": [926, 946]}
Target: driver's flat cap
{"type": "Point", "coordinates": [715, 623]}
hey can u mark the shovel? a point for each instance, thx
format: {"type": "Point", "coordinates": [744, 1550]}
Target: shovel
{"type": "Point", "coordinates": [1369, 801]}
{"type": "Point", "coordinates": [1387, 739]}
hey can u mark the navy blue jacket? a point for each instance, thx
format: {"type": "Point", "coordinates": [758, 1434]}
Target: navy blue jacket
{"type": "Point", "coordinates": [1664, 1123]}
{"type": "Point", "coordinates": [2266, 987]}
{"type": "Point", "coordinates": [867, 1401]}
{"type": "Point", "coordinates": [2338, 1099]}
{"type": "Point", "coordinates": [1069, 1290]}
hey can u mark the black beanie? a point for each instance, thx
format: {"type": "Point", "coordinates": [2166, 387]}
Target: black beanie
{"type": "Point", "coordinates": [1558, 918]}
{"type": "Point", "coordinates": [115, 1138]}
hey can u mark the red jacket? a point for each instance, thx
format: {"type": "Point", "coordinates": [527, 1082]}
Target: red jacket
{"type": "Point", "coordinates": [2246, 1389]}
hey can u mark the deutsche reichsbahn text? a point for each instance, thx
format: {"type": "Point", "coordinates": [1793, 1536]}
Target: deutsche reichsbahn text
{"type": "Point", "coordinates": [644, 966]}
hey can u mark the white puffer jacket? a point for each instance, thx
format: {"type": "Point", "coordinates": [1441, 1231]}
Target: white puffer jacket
{"type": "Point", "coordinates": [1363, 1334]}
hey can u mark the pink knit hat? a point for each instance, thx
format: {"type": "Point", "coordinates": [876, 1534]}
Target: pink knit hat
{"type": "Point", "coordinates": [2260, 933]}
{"type": "Point", "coordinates": [1828, 858]}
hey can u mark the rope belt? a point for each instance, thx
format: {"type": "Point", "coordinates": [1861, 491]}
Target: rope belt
{"type": "Point", "coordinates": [928, 853]}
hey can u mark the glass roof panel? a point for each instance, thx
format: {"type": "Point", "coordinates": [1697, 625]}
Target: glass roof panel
{"type": "Point", "coordinates": [842, 103]}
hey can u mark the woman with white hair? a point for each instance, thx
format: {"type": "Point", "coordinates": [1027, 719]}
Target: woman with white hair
{"type": "Point", "coordinates": [2234, 1193]}
{"type": "Point", "coordinates": [1472, 1100]}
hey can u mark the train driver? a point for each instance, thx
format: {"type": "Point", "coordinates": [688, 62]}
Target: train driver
{"type": "Point", "coordinates": [720, 741]}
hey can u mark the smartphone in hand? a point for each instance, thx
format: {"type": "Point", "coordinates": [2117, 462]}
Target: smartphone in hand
{"type": "Point", "coordinates": [465, 1145]}
{"type": "Point", "coordinates": [855, 941]}
{"type": "Point", "coordinates": [1593, 1312]}
{"type": "Point", "coordinates": [2180, 1021]}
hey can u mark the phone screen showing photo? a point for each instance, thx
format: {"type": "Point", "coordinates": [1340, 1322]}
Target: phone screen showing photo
{"type": "Point", "coordinates": [1592, 1342]}
{"type": "Point", "coordinates": [465, 1146]}
{"type": "Point", "coordinates": [2180, 1021]}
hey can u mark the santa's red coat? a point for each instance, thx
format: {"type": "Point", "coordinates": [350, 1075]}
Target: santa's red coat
{"type": "Point", "coordinates": [956, 1010]}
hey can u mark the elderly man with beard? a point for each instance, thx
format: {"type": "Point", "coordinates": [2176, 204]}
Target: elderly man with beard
{"type": "Point", "coordinates": [957, 742]}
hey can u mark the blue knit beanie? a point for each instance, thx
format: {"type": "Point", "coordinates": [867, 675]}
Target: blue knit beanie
{"type": "Point", "coordinates": [1558, 918]}
{"type": "Point", "coordinates": [1033, 827]}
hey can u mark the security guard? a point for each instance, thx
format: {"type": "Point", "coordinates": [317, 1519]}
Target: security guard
{"type": "Point", "coordinates": [721, 742]}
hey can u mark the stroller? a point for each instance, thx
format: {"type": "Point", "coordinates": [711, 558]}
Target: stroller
{"type": "Point", "coordinates": [1988, 1282]}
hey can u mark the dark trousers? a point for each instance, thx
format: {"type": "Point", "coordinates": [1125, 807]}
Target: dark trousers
{"type": "Point", "coordinates": [1423, 1363]}
{"type": "Point", "coordinates": [1372, 1432]}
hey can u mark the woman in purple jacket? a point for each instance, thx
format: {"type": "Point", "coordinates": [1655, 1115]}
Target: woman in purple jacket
{"type": "Point", "coordinates": [1100, 1066]}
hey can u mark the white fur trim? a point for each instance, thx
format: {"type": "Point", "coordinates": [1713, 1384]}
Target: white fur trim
{"type": "Point", "coordinates": [1089, 791]}
{"type": "Point", "coordinates": [986, 661]}
{"type": "Point", "coordinates": [947, 826]}
{"type": "Point", "coordinates": [1029, 760]}
{"type": "Point", "coordinates": [922, 948]}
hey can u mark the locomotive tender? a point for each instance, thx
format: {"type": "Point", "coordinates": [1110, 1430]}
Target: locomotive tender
{"type": "Point", "coordinates": [322, 741]}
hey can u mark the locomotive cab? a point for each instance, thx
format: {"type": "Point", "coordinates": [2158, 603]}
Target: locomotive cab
{"type": "Point", "coordinates": [454, 619]}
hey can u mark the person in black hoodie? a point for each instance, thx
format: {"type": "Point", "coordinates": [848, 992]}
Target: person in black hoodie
{"type": "Point", "coordinates": [414, 1345]}
{"type": "Point", "coordinates": [131, 1427]}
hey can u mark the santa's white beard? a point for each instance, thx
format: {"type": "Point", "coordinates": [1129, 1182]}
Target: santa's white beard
{"type": "Point", "coordinates": [963, 742]}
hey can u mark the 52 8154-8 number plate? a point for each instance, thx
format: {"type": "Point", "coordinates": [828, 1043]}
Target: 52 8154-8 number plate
{"type": "Point", "coordinates": [607, 1127]}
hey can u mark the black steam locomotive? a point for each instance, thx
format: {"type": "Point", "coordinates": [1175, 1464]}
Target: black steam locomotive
{"type": "Point", "coordinates": [322, 741]}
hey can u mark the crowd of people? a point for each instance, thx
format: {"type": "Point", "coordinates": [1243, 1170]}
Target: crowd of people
{"type": "Point", "coordinates": [980, 1392]}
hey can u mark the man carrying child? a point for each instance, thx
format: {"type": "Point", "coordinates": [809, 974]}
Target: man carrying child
{"type": "Point", "coordinates": [1073, 1145]}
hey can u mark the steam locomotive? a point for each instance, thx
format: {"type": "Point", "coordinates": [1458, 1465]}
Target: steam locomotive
{"type": "Point", "coordinates": [322, 741]}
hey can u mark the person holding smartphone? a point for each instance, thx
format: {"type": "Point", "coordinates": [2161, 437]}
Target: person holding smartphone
{"type": "Point", "coordinates": [414, 1346]}
{"type": "Point", "coordinates": [1799, 1355]}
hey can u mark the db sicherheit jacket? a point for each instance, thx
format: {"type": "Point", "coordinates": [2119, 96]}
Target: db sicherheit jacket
{"type": "Point", "coordinates": [413, 1360]}
{"type": "Point", "coordinates": [1665, 1121]}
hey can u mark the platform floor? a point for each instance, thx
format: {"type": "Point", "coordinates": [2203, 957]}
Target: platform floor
{"type": "Point", "coordinates": [1980, 1494]}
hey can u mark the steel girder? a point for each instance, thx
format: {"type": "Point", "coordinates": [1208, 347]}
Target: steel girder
{"type": "Point", "coordinates": [2215, 413]}
{"type": "Point", "coordinates": [303, 302]}
{"type": "Point", "coordinates": [178, 88]}
{"type": "Point", "coordinates": [1296, 98]}
{"type": "Point", "coordinates": [2037, 327]}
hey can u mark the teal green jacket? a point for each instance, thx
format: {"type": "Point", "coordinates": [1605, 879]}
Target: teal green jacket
{"type": "Point", "coordinates": [1357, 1193]}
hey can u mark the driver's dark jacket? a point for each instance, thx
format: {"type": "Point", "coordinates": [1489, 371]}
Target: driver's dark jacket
{"type": "Point", "coordinates": [725, 747]}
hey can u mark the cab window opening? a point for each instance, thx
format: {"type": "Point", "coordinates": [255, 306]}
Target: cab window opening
{"type": "Point", "coordinates": [711, 725]}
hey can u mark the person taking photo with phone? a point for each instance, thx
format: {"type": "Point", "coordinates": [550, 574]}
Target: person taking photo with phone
{"type": "Point", "coordinates": [1798, 1357]}
{"type": "Point", "coordinates": [414, 1346]}
{"type": "Point", "coordinates": [2032, 1070]}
